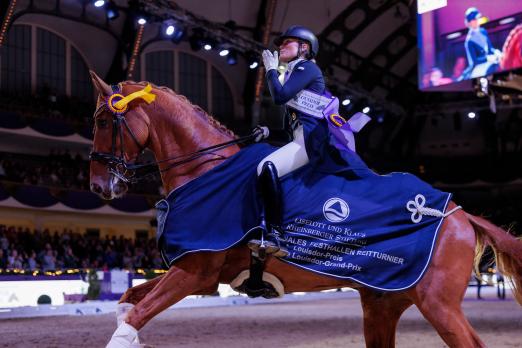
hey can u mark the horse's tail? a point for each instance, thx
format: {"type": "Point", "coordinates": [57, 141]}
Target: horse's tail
{"type": "Point", "coordinates": [507, 249]}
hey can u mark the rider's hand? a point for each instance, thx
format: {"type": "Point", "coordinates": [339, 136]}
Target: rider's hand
{"type": "Point", "coordinates": [260, 133]}
{"type": "Point", "coordinates": [270, 60]}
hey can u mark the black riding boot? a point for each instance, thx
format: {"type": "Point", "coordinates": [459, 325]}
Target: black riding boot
{"type": "Point", "coordinates": [270, 188]}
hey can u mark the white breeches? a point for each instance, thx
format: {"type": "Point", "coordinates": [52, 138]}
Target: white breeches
{"type": "Point", "coordinates": [289, 157]}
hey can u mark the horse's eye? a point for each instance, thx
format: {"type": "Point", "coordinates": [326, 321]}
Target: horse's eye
{"type": "Point", "coordinates": [101, 123]}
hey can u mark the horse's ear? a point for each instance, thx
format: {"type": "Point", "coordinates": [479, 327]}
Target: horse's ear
{"type": "Point", "coordinates": [103, 88]}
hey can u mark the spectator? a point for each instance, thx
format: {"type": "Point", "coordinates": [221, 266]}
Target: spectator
{"type": "Point", "coordinates": [3, 260]}
{"type": "Point", "coordinates": [49, 261]}
{"type": "Point", "coordinates": [32, 265]}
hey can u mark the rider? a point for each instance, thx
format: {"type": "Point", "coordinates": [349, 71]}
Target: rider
{"type": "Point", "coordinates": [311, 138]}
{"type": "Point", "coordinates": [479, 48]}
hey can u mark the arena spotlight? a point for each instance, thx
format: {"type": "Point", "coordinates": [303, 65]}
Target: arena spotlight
{"type": "Point", "coordinates": [141, 17]}
{"type": "Point", "coordinates": [168, 28]}
{"type": "Point", "coordinates": [232, 57]}
{"type": "Point", "coordinates": [224, 52]}
{"type": "Point", "coordinates": [366, 110]}
{"type": "Point", "coordinates": [208, 43]}
{"type": "Point", "coordinates": [98, 3]}
{"type": "Point", "coordinates": [346, 101]}
{"type": "Point", "coordinates": [111, 10]}
{"type": "Point", "coordinates": [472, 115]}
{"type": "Point", "coordinates": [253, 65]}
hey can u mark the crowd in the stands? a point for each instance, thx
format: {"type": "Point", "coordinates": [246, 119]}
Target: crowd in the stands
{"type": "Point", "coordinates": [46, 104]}
{"type": "Point", "coordinates": [59, 169]}
{"type": "Point", "coordinates": [23, 249]}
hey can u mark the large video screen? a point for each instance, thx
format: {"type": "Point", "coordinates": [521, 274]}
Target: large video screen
{"type": "Point", "coordinates": [465, 39]}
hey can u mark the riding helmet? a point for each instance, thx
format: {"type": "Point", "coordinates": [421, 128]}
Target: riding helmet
{"type": "Point", "coordinates": [301, 33]}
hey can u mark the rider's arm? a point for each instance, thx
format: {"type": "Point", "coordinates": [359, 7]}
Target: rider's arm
{"type": "Point", "coordinates": [302, 76]}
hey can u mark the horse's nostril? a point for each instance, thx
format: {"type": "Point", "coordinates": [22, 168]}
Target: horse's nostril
{"type": "Point", "coordinates": [95, 188]}
{"type": "Point", "coordinates": [120, 189]}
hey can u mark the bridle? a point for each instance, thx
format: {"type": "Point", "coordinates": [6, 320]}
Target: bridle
{"type": "Point", "coordinates": [128, 172]}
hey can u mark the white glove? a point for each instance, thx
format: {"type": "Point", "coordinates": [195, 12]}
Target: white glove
{"type": "Point", "coordinates": [260, 133]}
{"type": "Point", "coordinates": [271, 61]}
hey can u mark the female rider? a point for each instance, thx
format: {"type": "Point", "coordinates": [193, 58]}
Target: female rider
{"type": "Point", "coordinates": [311, 137]}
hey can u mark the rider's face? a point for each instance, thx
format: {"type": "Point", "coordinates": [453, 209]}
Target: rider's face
{"type": "Point", "coordinates": [474, 24]}
{"type": "Point", "coordinates": [288, 50]}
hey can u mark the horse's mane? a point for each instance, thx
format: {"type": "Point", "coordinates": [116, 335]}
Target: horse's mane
{"type": "Point", "coordinates": [211, 120]}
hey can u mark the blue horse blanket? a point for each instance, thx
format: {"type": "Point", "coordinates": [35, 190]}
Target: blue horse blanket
{"type": "Point", "coordinates": [364, 229]}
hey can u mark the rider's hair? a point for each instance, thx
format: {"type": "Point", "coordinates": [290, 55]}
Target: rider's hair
{"type": "Point", "coordinates": [305, 54]}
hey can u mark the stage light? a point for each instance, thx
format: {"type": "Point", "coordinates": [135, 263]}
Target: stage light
{"type": "Point", "coordinates": [453, 35]}
{"type": "Point", "coordinates": [252, 59]}
{"type": "Point", "coordinates": [112, 11]}
{"type": "Point", "coordinates": [232, 58]}
{"type": "Point", "coordinates": [207, 47]}
{"type": "Point", "coordinates": [169, 28]}
{"type": "Point", "coordinates": [366, 110]}
{"type": "Point", "coordinates": [346, 102]}
{"type": "Point", "coordinates": [141, 17]}
{"type": "Point", "coordinates": [472, 115]}
{"type": "Point", "coordinates": [224, 52]}
{"type": "Point", "coordinates": [99, 3]}
{"type": "Point", "coordinates": [507, 20]}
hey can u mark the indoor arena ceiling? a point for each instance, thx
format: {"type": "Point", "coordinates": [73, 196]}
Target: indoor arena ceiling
{"type": "Point", "coordinates": [365, 45]}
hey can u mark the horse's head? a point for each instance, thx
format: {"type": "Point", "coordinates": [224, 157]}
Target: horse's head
{"type": "Point", "coordinates": [121, 133]}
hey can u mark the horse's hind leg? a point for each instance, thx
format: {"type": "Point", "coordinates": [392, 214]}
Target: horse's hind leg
{"type": "Point", "coordinates": [382, 312]}
{"type": "Point", "coordinates": [440, 292]}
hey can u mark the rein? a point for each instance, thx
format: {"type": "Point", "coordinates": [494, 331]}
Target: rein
{"type": "Point", "coordinates": [125, 171]}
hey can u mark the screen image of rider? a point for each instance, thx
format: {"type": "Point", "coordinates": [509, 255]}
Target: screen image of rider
{"type": "Point", "coordinates": [468, 39]}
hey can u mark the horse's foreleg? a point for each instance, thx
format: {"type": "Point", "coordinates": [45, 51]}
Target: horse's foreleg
{"type": "Point", "coordinates": [137, 293]}
{"type": "Point", "coordinates": [193, 273]}
{"type": "Point", "coordinates": [382, 312]}
{"type": "Point", "coordinates": [190, 275]}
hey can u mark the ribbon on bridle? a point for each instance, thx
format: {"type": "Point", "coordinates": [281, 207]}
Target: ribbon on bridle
{"type": "Point", "coordinates": [117, 104]}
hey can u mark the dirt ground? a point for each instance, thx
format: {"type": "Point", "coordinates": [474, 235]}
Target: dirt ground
{"type": "Point", "coordinates": [325, 323]}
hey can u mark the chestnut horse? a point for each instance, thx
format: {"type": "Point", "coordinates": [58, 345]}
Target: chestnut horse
{"type": "Point", "coordinates": [171, 125]}
{"type": "Point", "coordinates": [512, 50]}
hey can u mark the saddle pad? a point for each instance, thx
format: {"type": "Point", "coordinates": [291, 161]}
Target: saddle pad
{"type": "Point", "coordinates": [367, 229]}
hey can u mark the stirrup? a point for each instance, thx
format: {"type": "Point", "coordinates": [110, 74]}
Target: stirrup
{"type": "Point", "coordinates": [269, 245]}
{"type": "Point", "coordinates": [266, 247]}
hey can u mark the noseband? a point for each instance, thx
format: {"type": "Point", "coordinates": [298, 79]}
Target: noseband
{"type": "Point", "coordinates": [127, 172]}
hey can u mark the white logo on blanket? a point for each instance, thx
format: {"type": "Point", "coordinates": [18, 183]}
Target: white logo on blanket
{"type": "Point", "coordinates": [336, 210]}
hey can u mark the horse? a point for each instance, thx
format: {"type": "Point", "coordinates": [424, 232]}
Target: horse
{"type": "Point", "coordinates": [512, 50]}
{"type": "Point", "coordinates": [171, 126]}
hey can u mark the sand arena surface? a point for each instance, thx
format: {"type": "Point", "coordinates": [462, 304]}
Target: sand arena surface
{"type": "Point", "coordinates": [325, 323]}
